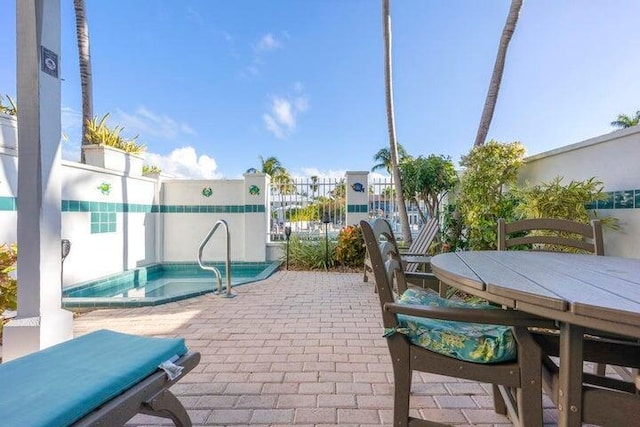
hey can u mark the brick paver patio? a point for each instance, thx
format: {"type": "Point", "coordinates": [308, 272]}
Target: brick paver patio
{"type": "Point", "coordinates": [300, 348]}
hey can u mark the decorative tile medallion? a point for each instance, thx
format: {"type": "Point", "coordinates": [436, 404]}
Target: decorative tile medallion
{"type": "Point", "coordinates": [254, 190]}
{"type": "Point", "coordinates": [105, 188]}
{"type": "Point", "coordinates": [207, 191]}
{"type": "Point", "coordinates": [358, 187]}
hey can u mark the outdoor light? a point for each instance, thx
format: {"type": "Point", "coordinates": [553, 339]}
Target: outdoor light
{"type": "Point", "coordinates": [326, 219]}
{"type": "Point", "coordinates": [65, 248]}
{"type": "Point", "coordinates": [287, 233]}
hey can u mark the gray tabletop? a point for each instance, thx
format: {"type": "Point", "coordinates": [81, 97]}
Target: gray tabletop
{"type": "Point", "coordinates": [597, 292]}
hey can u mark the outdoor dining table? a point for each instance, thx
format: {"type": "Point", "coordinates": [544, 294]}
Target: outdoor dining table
{"type": "Point", "coordinates": [578, 291]}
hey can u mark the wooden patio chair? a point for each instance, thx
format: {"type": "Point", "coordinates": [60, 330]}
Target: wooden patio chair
{"type": "Point", "coordinates": [416, 321]}
{"type": "Point", "coordinates": [417, 254]}
{"type": "Point", "coordinates": [623, 354]}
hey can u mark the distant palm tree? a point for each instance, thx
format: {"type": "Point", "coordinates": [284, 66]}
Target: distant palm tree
{"type": "Point", "coordinates": [278, 173]}
{"type": "Point", "coordinates": [84, 56]}
{"type": "Point", "coordinates": [498, 69]}
{"type": "Point", "coordinates": [623, 121]}
{"type": "Point", "coordinates": [383, 157]}
{"type": "Point", "coordinates": [393, 144]}
{"type": "Point", "coordinates": [314, 186]}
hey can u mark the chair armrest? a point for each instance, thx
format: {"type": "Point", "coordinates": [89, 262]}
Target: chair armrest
{"type": "Point", "coordinates": [419, 275]}
{"type": "Point", "coordinates": [418, 254]}
{"type": "Point", "coordinates": [473, 315]}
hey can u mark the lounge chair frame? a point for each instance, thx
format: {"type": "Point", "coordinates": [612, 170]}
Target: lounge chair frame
{"type": "Point", "coordinates": [150, 396]}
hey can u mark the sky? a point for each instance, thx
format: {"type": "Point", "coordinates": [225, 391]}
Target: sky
{"type": "Point", "coordinates": [209, 86]}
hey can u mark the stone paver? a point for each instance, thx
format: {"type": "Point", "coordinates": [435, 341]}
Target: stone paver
{"type": "Point", "coordinates": [300, 348]}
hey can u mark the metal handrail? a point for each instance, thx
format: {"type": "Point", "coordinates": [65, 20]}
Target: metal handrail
{"type": "Point", "coordinates": [228, 260]}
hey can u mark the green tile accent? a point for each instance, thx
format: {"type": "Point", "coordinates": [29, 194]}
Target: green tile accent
{"type": "Point", "coordinates": [623, 199]}
{"type": "Point", "coordinates": [7, 203]}
{"type": "Point", "coordinates": [357, 208]}
{"type": "Point", "coordinates": [606, 204]}
{"type": "Point", "coordinates": [637, 199]}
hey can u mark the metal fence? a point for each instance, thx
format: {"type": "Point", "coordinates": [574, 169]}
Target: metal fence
{"type": "Point", "coordinates": [313, 206]}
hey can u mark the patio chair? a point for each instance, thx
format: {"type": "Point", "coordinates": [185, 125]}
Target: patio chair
{"type": "Point", "coordinates": [553, 234]}
{"type": "Point", "coordinates": [102, 378]}
{"type": "Point", "coordinates": [416, 255]}
{"type": "Point", "coordinates": [428, 333]}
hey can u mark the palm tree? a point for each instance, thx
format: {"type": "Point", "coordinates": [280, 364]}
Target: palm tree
{"type": "Point", "coordinates": [623, 121]}
{"type": "Point", "coordinates": [383, 157]}
{"type": "Point", "coordinates": [314, 186]}
{"type": "Point", "coordinates": [393, 145]}
{"type": "Point", "coordinates": [498, 69]}
{"type": "Point", "coordinates": [273, 167]}
{"type": "Point", "coordinates": [84, 53]}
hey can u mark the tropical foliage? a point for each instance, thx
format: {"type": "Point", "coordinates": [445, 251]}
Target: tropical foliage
{"type": "Point", "coordinates": [8, 285]}
{"type": "Point", "coordinates": [623, 121]}
{"type": "Point", "coordinates": [310, 254]}
{"type": "Point", "coordinates": [99, 133]}
{"type": "Point", "coordinates": [483, 197]}
{"type": "Point", "coordinates": [350, 250]}
{"type": "Point", "coordinates": [149, 169]}
{"type": "Point", "coordinates": [11, 109]}
{"type": "Point", "coordinates": [428, 179]}
{"type": "Point", "coordinates": [278, 173]}
{"type": "Point", "coordinates": [383, 158]}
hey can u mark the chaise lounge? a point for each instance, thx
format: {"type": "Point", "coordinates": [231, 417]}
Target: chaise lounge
{"type": "Point", "coordinates": [102, 378]}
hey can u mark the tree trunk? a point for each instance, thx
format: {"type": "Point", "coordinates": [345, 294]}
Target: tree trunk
{"type": "Point", "coordinates": [84, 54]}
{"type": "Point", "coordinates": [498, 69]}
{"type": "Point", "coordinates": [393, 145]}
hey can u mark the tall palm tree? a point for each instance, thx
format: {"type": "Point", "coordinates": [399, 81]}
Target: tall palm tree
{"type": "Point", "coordinates": [498, 69]}
{"type": "Point", "coordinates": [383, 157]}
{"type": "Point", "coordinates": [393, 144]}
{"type": "Point", "coordinates": [84, 54]}
{"type": "Point", "coordinates": [623, 121]}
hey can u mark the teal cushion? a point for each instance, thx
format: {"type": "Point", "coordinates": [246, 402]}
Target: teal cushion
{"type": "Point", "coordinates": [472, 342]}
{"type": "Point", "coordinates": [61, 384]}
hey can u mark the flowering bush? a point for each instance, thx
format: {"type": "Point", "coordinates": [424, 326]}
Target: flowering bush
{"type": "Point", "coordinates": [350, 250]}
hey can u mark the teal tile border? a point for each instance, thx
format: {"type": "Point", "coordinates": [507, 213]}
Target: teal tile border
{"type": "Point", "coordinates": [87, 206]}
{"type": "Point", "coordinates": [357, 208]}
{"type": "Point", "coordinates": [8, 203]}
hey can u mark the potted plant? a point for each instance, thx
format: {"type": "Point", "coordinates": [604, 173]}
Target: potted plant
{"type": "Point", "coordinates": [8, 126]}
{"type": "Point", "coordinates": [106, 148]}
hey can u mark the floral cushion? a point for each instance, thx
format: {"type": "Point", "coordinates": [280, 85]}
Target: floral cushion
{"type": "Point", "coordinates": [472, 342]}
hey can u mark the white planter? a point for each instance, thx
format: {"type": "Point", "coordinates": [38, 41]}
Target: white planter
{"type": "Point", "coordinates": [111, 158]}
{"type": "Point", "coordinates": [8, 134]}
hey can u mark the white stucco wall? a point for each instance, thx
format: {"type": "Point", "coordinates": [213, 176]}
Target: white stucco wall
{"type": "Point", "coordinates": [612, 158]}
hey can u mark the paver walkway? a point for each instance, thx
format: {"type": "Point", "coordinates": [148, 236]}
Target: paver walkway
{"type": "Point", "coordinates": [299, 348]}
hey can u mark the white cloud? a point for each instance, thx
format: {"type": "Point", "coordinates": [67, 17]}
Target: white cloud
{"type": "Point", "coordinates": [184, 162]}
{"type": "Point", "coordinates": [267, 43]}
{"type": "Point", "coordinates": [146, 123]}
{"type": "Point", "coordinates": [281, 119]}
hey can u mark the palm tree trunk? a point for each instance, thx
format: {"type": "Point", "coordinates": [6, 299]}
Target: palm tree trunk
{"type": "Point", "coordinates": [84, 54]}
{"type": "Point", "coordinates": [498, 69]}
{"type": "Point", "coordinates": [393, 145]}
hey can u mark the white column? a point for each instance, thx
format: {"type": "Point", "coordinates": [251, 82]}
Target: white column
{"type": "Point", "coordinates": [357, 196]}
{"type": "Point", "coordinates": [256, 216]}
{"type": "Point", "coordinates": [40, 322]}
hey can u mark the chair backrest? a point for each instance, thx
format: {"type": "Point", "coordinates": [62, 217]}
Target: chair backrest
{"type": "Point", "coordinates": [421, 243]}
{"type": "Point", "coordinates": [386, 264]}
{"type": "Point", "coordinates": [545, 233]}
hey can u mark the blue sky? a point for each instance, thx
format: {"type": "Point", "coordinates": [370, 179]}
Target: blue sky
{"type": "Point", "coordinates": [210, 85]}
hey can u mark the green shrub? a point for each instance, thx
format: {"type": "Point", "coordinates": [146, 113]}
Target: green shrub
{"type": "Point", "coordinates": [147, 169]}
{"type": "Point", "coordinates": [310, 254]}
{"type": "Point", "coordinates": [8, 285]}
{"type": "Point", "coordinates": [99, 133]}
{"type": "Point", "coordinates": [11, 109]}
{"type": "Point", "coordinates": [350, 250]}
{"type": "Point", "coordinates": [483, 197]}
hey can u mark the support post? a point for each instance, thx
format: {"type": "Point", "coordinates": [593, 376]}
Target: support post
{"type": "Point", "coordinates": [357, 197]}
{"type": "Point", "coordinates": [40, 322]}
